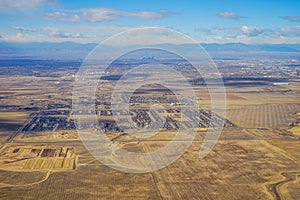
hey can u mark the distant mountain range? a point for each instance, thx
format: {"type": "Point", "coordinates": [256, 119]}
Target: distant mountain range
{"type": "Point", "coordinates": [72, 50]}
{"type": "Point", "coordinates": [240, 47]}
{"type": "Point", "coordinates": [45, 50]}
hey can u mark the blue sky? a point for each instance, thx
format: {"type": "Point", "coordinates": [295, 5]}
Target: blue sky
{"type": "Point", "coordinates": [219, 21]}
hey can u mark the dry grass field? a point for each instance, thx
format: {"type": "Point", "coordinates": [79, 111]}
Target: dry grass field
{"type": "Point", "coordinates": [264, 116]}
{"type": "Point", "coordinates": [257, 159]}
{"type": "Point", "coordinates": [296, 129]}
{"type": "Point", "coordinates": [265, 169]}
{"type": "Point", "coordinates": [47, 136]}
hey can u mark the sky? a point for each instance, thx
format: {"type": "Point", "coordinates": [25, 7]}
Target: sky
{"type": "Point", "coordinates": [207, 21]}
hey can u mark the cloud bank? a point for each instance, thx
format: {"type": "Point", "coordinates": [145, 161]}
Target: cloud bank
{"type": "Point", "coordinates": [104, 14]}
{"type": "Point", "coordinates": [291, 18]}
{"type": "Point", "coordinates": [230, 15]}
{"type": "Point", "coordinates": [21, 4]}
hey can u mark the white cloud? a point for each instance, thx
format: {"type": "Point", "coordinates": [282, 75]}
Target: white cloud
{"type": "Point", "coordinates": [250, 31]}
{"type": "Point", "coordinates": [24, 37]}
{"type": "Point", "coordinates": [65, 35]}
{"type": "Point", "coordinates": [229, 15]}
{"type": "Point", "coordinates": [289, 31]}
{"type": "Point", "coordinates": [62, 16]}
{"type": "Point", "coordinates": [247, 31]}
{"type": "Point", "coordinates": [54, 32]}
{"type": "Point", "coordinates": [104, 14]}
{"type": "Point", "coordinates": [205, 30]}
{"type": "Point", "coordinates": [147, 36]}
{"type": "Point", "coordinates": [86, 34]}
{"type": "Point", "coordinates": [50, 31]}
{"type": "Point", "coordinates": [21, 4]}
{"type": "Point", "coordinates": [291, 18]}
{"type": "Point", "coordinates": [254, 35]}
{"type": "Point", "coordinates": [150, 15]}
{"type": "Point", "coordinates": [256, 32]}
{"type": "Point", "coordinates": [51, 34]}
{"type": "Point", "coordinates": [24, 29]}
{"type": "Point", "coordinates": [103, 28]}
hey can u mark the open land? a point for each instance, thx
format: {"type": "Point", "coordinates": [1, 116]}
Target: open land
{"type": "Point", "coordinates": [256, 157]}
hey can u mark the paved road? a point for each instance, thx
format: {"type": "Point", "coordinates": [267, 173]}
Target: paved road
{"type": "Point", "coordinates": [11, 138]}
